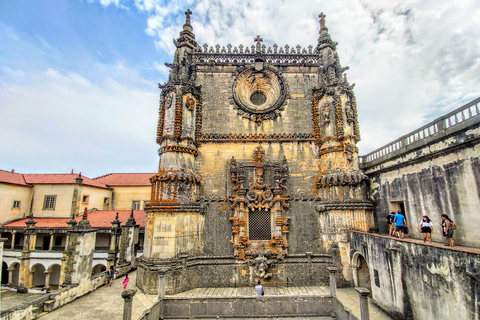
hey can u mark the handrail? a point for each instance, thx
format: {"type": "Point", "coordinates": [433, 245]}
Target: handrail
{"type": "Point", "coordinates": [457, 116]}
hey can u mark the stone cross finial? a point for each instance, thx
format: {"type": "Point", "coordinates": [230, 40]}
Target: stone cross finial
{"type": "Point", "coordinates": [259, 45]}
{"type": "Point", "coordinates": [322, 17]}
{"type": "Point", "coordinates": [188, 13]}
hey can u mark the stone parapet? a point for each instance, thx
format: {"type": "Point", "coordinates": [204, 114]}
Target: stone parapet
{"type": "Point", "coordinates": [449, 131]}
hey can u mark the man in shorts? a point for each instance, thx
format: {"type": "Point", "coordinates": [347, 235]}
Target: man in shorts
{"type": "Point", "coordinates": [389, 220]}
{"type": "Point", "coordinates": [400, 223]}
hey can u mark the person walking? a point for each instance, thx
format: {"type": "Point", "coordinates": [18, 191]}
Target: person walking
{"type": "Point", "coordinates": [110, 274]}
{"type": "Point", "coordinates": [389, 220]}
{"type": "Point", "coordinates": [125, 282]}
{"type": "Point", "coordinates": [426, 227]}
{"type": "Point", "coordinates": [259, 289]}
{"type": "Point", "coordinates": [400, 224]}
{"type": "Point", "coordinates": [448, 230]}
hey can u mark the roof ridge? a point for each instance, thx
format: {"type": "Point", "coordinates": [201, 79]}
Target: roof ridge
{"type": "Point", "coordinates": [105, 175]}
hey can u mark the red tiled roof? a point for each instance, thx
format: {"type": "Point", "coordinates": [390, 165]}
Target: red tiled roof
{"type": "Point", "coordinates": [97, 218]}
{"type": "Point", "coordinates": [126, 179]}
{"type": "Point", "coordinates": [67, 178]}
{"type": "Point", "coordinates": [12, 178]}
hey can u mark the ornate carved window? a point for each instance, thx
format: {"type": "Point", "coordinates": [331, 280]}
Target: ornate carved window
{"type": "Point", "coordinates": [256, 190]}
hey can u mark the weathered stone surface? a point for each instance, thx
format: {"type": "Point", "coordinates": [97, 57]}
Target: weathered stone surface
{"type": "Point", "coordinates": [434, 177]}
{"type": "Point", "coordinates": [419, 282]}
{"type": "Point", "coordinates": [246, 186]}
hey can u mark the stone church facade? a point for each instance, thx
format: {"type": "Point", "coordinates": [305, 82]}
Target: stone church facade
{"type": "Point", "coordinates": [258, 175]}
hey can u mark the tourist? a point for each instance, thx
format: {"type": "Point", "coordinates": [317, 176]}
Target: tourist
{"type": "Point", "coordinates": [259, 289]}
{"type": "Point", "coordinates": [426, 227]}
{"type": "Point", "coordinates": [448, 230]}
{"type": "Point", "coordinates": [400, 224]}
{"type": "Point", "coordinates": [389, 220]}
{"type": "Point", "coordinates": [109, 280]}
{"type": "Point", "coordinates": [125, 282]}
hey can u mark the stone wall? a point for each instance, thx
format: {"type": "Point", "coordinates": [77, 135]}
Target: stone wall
{"type": "Point", "coordinates": [252, 307]}
{"type": "Point", "coordinates": [200, 272]}
{"type": "Point", "coordinates": [414, 281]}
{"type": "Point", "coordinates": [437, 175]}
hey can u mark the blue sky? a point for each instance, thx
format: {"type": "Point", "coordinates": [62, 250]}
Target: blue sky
{"type": "Point", "coordinates": [78, 78]}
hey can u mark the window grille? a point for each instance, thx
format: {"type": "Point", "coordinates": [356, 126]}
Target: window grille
{"type": "Point", "coordinates": [16, 204]}
{"type": "Point", "coordinates": [259, 225]}
{"type": "Point", "coordinates": [49, 203]}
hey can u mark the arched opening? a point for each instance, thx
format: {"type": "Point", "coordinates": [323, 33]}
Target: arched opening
{"type": "Point", "coordinates": [15, 269]}
{"type": "Point", "coordinates": [361, 273]}
{"type": "Point", "coordinates": [38, 272]}
{"type": "Point", "coordinates": [54, 281]}
{"type": "Point", "coordinates": [4, 273]}
{"type": "Point", "coordinates": [99, 268]}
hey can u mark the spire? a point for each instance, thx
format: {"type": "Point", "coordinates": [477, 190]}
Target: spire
{"type": "Point", "coordinates": [115, 223]}
{"type": "Point", "coordinates": [187, 25]}
{"type": "Point", "coordinates": [84, 223]}
{"type": "Point", "coordinates": [187, 38]}
{"type": "Point", "coordinates": [72, 223]}
{"type": "Point", "coordinates": [324, 40]}
{"type": "Point", "coordinates": [31, 223]}
{"type": "Point", "coordinates": [79, 179]}
{"type": "Point", "coordinates": [131, 220]}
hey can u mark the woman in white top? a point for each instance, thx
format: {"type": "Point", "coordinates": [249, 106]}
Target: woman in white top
{"type": "Point", "coordinates": [426, 228]}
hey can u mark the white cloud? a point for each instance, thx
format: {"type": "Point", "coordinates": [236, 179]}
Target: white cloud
{"type": "Point", "coordinates": [412, 60]}
{"type": "Point", "coordinates": [68, 121]}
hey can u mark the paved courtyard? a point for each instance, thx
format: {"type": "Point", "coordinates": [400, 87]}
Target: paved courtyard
{"type": "Point", "coordinates": [107, 303]}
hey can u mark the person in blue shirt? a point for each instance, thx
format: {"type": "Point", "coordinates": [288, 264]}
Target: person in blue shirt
{"type": "Point", "coordinates": [400, 224]}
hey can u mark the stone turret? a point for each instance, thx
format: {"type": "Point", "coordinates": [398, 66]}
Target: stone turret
{"type": "Point", "coordinates": [335, 120]}
{"type": "Point", "coordinates": [180, 105]}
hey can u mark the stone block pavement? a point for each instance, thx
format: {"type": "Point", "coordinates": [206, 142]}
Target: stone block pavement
{"type": "Point", "coordinates": [350, 298]}
{"type": "Point", "coordinates": [105, 303]}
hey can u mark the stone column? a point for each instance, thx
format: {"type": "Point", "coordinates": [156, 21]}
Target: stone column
{"type": "Point", "coordinates": [113, 250]}
{"type": "Point", "coordinates": [333, 281]}
{"type": "Point", "coordinates": [127, 296]}
{"type": "Point", "coordinates": [47, 279]}
{"type": "Point", "coordinates": [78, 255]}
{"type": "Point", "coordinates": [363, 292]}
{"type": "Point", "coordinates": [50, 247]}
{"type": "Point", "coordinates": [12, 246]}
{"type": "Point", "coordinates": [10, 275]}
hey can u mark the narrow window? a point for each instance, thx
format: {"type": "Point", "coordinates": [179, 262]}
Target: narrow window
{"type": "Point", "coordinates": [136, 204]}
{"type": "Point", "coordinates": [16, 204]}
{"type": "Point", "coordinates": [106, 200]}
{"type": "Point", "coordinates": [49, 202]}
{"type": "Point", "coordinates": [85, 199]}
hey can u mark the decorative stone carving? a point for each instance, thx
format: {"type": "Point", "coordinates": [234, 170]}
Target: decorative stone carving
{"type": "Point", "coordinates": [341, 178]}
{"type": "Point", "coordinates": [261, 265]}
{"type": "Point", "coordinates": [190, 103]}
{"type": "Point", "coordinates": [262, 198]}
{"type": "Point", "coordinates": [259, 93]}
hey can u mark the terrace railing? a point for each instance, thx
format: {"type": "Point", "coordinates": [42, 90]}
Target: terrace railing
{"type": "Point", "coordinates": [436, 127]}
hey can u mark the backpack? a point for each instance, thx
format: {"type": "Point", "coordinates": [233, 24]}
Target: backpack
{"type": "Point", "coordinates": [453, 225]}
